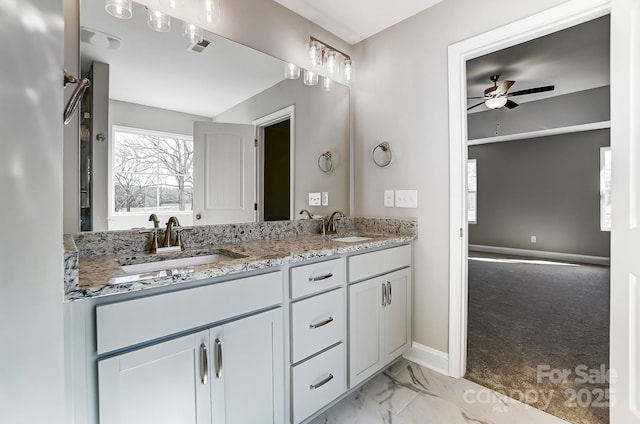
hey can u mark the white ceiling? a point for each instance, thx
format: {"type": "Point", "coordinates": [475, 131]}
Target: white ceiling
{"type": "Point", "coordinates": [355, 20]}
{"type": "Point", "coordinates": [574, 59]}
{"type": "Point", "coordinates": [156, 69]}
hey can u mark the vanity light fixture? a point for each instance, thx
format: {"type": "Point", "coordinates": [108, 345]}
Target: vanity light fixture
{"type": "Point", "coordinates": [173, 4]}
{"type": "Point", "coordinates": [192, 33]}
{"type": "Point", "coordinates": [322, 53]}
{"type": "Point", "coordinates": [158, 21]}
{"type": "Point", "coordinates": [209, 11]}
{"type": "Point", "coordinates": [120, 9]}
{"type": "Point", "coordinates": [327, 84]}
{"type": "Point", "coordinates": [310, 77]}
{"type": "Point", "coordinates": [291, 71]}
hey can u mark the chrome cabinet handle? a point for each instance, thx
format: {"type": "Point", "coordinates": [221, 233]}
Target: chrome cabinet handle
{"type": "Point", "coordinates": [218, 345]}
{"type": "Point", "coordinates": [384, 295]}
{"type": "Point", "coordinates": [204, 364]}
{"type": "Point", "coordinates": [321, 277]}
{"type": "Point", "coordinates": [322, 323]}
{"type": "Point", "coordinates": [388, 293]}
{"type": "Point", "coordinates": [321, 383]}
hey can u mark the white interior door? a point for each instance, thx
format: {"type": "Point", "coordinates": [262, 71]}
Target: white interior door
{"type": "Point", "coordinates": [224, 173]}
{"type": "Point", "coordinates": [625, 197]}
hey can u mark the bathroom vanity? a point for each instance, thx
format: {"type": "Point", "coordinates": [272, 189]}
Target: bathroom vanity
{"type": "Point", "coordinates": [273, 335]}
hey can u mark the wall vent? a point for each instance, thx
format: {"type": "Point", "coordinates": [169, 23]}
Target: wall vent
{"type": "Point", "coordinates": [199, 47]}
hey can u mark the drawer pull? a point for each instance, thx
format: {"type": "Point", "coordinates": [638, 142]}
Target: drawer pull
{"type": "Point", "coordinates": [321, 277]}
{"type": "Point", "coordinates": [322, 323]}
{"type": "Point", "coordinates": [384, 295]}
{"type": "Point", "coordinates": [321, 383]}
{"type": "Point", "coordinates": [204, 364]}
{"type": "Point", "coordinates": [388, 292]}
{"type": "Point", "coordinates": [218, 345]}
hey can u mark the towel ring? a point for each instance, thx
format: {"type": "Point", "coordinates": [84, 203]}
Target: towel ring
{"type": "Point", "coordinates": [328, 162]}
{"type": "Point", "coordinates": [384, 146]}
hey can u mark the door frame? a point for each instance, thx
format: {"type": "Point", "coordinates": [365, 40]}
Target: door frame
{"type": "Point", "coordinates": [288, 112]}
{"type": "Point", "coordinates": [555, 19]}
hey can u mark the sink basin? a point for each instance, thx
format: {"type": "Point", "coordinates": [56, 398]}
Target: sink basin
{"type": "Point", "coordinates": [352, 239]}
{"type": "Point", "coordinates": [158, 263]}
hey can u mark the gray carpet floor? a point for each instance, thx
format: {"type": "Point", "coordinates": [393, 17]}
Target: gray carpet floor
{"type": "Point", "coordinates": [527, 317]}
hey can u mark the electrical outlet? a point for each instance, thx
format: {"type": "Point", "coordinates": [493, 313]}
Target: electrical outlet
{"type": "Point", "coordinates": [314, 199]}
{"type": "Point", "coordinates": [406, 198]}
{"type": "Point", "coordinates": [388, 198]}
{"type": "Point", "coordinates": [325, 198]}
{"type": "Point", "coordinates": [534, 239]}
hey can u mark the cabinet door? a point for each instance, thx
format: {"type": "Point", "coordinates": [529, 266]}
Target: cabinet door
{"type": "Point", "coordinates": [365, 352]}
{"type": "Point", "coordinates": [247, 371]}
{"type": "Point", "coordinates": [158, 384]}
{"type": "Point", "coordinates": [396, 325]}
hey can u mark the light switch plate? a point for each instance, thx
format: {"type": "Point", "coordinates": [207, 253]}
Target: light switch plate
{"type": "Point", "coordinates": [314, 199]}
{"type": "Point", "coordinates": [325, 198]}
{"type": "Point", "coordinates": [388, 198]}
{"type": "Point", "coordinates": [406, 198]}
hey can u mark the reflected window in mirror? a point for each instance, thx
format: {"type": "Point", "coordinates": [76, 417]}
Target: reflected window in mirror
{"type": "Point", "coordinates": [151, 172]}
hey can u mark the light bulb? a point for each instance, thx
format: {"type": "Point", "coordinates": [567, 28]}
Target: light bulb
{"type": "Point", "coordinates": [120, 9]}
{"type": "Point", "coordinates": [158, 21]}
{"type": "Point", "coordinates": [332, 62]}
{"type": "Point", "coordinates": [327, 84]}
{"type": "Point", "coordinates": [315, 53]}
{"type": "Point", "coordinates": [291, 71]}
{"type": "Point", "coordinates": [348, 70]}
{"type": "Point", "coordinates": [192, 33]}
{"type": "Point", "coordinates": [310, 77]}
{"type": "Point", "coordinates": [209, 11]}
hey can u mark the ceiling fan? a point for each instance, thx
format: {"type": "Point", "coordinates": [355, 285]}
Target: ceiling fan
{"type": "Point", "coordinates": [497, 96]}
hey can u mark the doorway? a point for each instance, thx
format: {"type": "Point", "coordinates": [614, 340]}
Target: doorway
{"type": "Point", "coordinates": [277, 199]}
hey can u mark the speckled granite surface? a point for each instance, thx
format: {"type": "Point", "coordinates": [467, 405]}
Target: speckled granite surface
{"type": "Point", "coordinates": [93, 260]}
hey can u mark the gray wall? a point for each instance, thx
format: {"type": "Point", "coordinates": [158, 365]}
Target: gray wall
{"type": "Point", "coordinates": [548, 187]}
{"type": "Point", "coordinates": [31, 169]}
{"type": "Point", "coordinates": [577, 108]}
{"type": "Point", "coordinates": [321, 124]}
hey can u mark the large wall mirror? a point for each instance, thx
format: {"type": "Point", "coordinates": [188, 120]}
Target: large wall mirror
{"type": "Point", "coordinates": [168, 127]}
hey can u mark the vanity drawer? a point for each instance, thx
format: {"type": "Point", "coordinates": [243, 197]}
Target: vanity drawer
{"type": "Point", "coordinates": [379, 262]}
{"type": "Point", "coordinates": [317, 323]}
{"type": "Point", "coordinates": [318, 381]}
{"type": "Point", "coordinates": [131, 322]}
{"type": "Point", "coordinates": [312, 278]}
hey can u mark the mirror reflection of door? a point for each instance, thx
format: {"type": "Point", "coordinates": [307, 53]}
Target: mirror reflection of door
{"type": "Point", "coordinates": [223, 173]}
{"type": "Point", "coordinates": [276, 176]}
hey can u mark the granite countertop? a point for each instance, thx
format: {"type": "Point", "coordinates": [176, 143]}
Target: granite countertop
{"type": "Point", "coordinates": [103, 275]}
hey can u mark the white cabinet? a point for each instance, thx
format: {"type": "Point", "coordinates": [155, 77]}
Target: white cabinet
{"type": "Point", "coordinates": [231, 374]}
{"type": "Point", "coordinates": [379, 320]}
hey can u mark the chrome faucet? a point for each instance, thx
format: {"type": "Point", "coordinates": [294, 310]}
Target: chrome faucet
{"type": "Point", "coordinates": [303, 211]}
{"type": "Point", "coordinates": [167, 232]}
{"type": "Point", "coordinates": [331, 224]}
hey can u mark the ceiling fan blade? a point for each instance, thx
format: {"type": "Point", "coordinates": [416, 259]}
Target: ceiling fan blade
{"type": "Point", "coordinates": [533, 90]}
{"type": "Point", "coordinates": [476, 97]}
{"type": "Point", "coordinates": [474, 106]}
{"type": "Point", "coordinates": [504, 87]}
{"type": "Point", "coordinates": [511, 104]}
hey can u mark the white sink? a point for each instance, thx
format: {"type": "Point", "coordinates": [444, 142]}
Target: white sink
{"type": "Point", "coordinates": [351, 239]}
{"type": "Point", "coordinates": [174, 263]}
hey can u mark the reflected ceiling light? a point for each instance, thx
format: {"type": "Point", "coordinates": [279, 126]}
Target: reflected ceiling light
{"type": "Point", "coordinates": [327, 84]}
{"type": "Point", "coordinates": [209, 11]}
{"type": "Point", "coordinates": [192, 33]}
{"type": "Point", "coordinates": [119, 8]}
{"type": "Point", "coordinates": [495, 102]}
{"type": "Point", "coordinates": [291, 71]}
{"type": "Point", "coordinates": [158, 21]}
{"type": "Point", "coordinates": [322, 53]}
{"type": "Point", "coordinates": [310, 77]}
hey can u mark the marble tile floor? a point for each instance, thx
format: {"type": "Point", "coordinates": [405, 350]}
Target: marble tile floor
{"type": "Point", "coordinates": [407, 393]}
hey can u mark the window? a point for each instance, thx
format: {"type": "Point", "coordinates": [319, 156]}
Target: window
{"type": "Point", "coordinates": [150, 172]}
{"type": "Point", "coordinates": [605, 188]}
{"type": "Point", "coordinates": [472, 189]}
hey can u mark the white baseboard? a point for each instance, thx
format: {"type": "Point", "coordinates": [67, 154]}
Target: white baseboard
{"type": "Point", "coordinates": [566, 257]}
{"type": "Point", "coordinates": [428, 357]}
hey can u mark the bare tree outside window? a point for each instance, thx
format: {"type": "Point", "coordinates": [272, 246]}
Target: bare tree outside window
{"type": "Point", "coordinates": [152, 172]}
